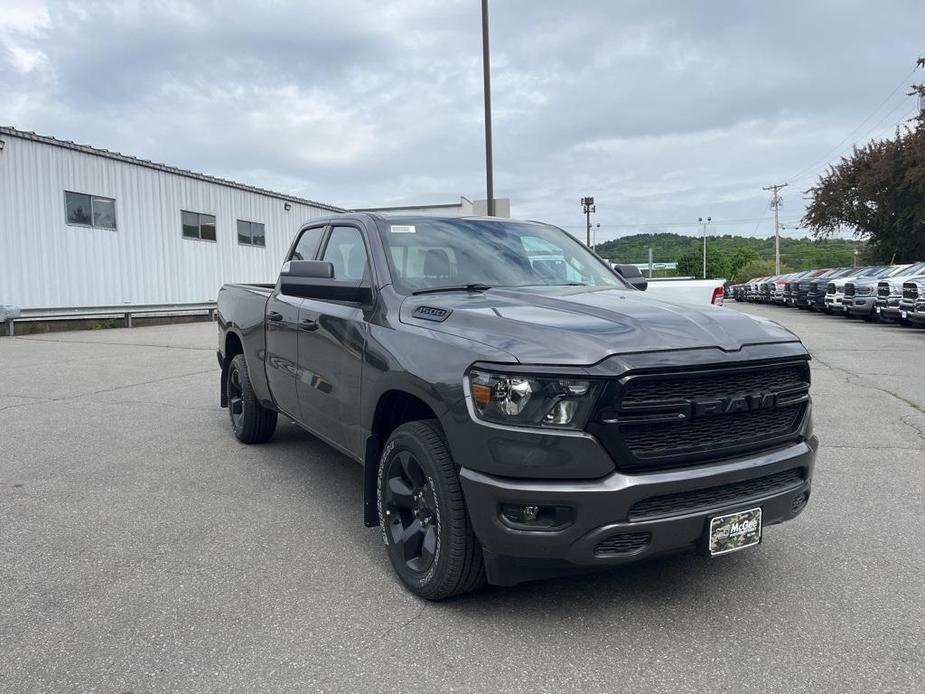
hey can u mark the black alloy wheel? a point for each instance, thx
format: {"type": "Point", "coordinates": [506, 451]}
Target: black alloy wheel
{"type": "Point", "coordinates": [422, 513]}
{"type": "Point", "coordinates": [250, 421]}
{"type": "Point", "coordinates": [235, 397]}
{"type": "Point", "coordinates": [410, 512]}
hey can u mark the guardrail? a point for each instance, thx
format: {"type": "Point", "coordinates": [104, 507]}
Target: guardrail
{"type": "Point", "coordinates": [124, 311]}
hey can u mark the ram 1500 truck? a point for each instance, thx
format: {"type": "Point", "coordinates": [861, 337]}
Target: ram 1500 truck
{"type": "Point", "coordinates": [520, 411]}
{"type": "Point", "coordinates": [861, 294]}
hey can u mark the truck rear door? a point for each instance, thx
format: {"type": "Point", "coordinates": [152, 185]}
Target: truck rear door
{"type": "Point", "coordinates": [282, 326]}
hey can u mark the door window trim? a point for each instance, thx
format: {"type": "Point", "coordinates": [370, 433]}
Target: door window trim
{"type": "Point", "coordinates": [325, 229]}
{"type": "Point", "coordinates": [369, 256]}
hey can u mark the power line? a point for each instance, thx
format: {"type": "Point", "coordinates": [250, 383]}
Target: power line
{"type": "Point", "coordinates": [856, 129]}
{"type": "Point", "coordinates": [867, 136]}
{"type": "Point", "coordinates": [665, 224]}
{"type": "Point", "coordinates": [847, 137]}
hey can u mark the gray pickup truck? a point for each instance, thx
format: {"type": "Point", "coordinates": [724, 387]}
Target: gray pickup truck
{"type": "Point", "coordinates": [520, 411]}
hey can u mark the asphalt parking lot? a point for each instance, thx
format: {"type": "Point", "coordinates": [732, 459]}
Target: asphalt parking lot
{"type": "Point", "coordinates": [145, 550]}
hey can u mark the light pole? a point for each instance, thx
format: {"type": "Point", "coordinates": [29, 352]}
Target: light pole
{"type": "Point", "coordinates": [704, 223]}
{"type": "Point", "coordinates": [587, 206]}
{"type": "Point", "coordinates": [486, 74]}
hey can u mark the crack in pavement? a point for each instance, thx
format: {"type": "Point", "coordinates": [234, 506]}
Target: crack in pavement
{"type": "Point", "coordinates": [919, 429]}
{"type": "Point", "coordinates": [396, 627]}
{"type": "Point", "coordinates": [857, 382]}
{"type": "Point", "coordinates": [105, 390]}
{"type": "Point", "coordinates": [114, 344]}
{"type": "Point", "coordinates": [70, 360]}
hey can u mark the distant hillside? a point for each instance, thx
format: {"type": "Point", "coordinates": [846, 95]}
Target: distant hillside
{"type": "Point", "coordinates": [794, 253]}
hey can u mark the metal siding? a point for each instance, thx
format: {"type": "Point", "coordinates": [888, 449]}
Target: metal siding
{"type": "Point", "coordinates": [46, 263]}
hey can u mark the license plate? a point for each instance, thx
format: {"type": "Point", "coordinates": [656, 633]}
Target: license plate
{"type": "Point", "coordinates": [904, 314]}
{"type": "Point", "coordinates": [734, 531]}
{"type": "Point", "coordinates": [878, 309]}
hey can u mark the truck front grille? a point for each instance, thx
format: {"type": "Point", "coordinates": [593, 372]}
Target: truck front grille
{"type": "Point", "coordinates": [883, 289]}
{"type": "Point", "coordinates": [656, 421]}
{"type": "Point", "coordinates": [849, 289]}
{"type": "Point", "coordinates": [910, 291]}
{"type": "Point", "coordinates": [715, 497]}
{"type": "Point", "coordinates": [830, 288]}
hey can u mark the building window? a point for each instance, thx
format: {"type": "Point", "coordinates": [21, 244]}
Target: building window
{"type": "Point", "coordinates": [90, 210]}
{"type": "Point", "coordinates": [198, 226]}
{"type": "Point", "coordinates": [251, 233]}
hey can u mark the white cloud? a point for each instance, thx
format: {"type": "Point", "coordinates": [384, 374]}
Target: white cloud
{"type": "Point", "coordinates": [664, 112]}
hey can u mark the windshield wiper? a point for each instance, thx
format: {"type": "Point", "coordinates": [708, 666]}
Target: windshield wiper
{"type": "Point", "coordinates": [474, 287]}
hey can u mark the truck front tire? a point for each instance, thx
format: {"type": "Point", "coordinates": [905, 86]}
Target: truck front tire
{"type": "Point", "coordinates": [423, 516]}
{"type": "Point", "coordinates": [250, 421]}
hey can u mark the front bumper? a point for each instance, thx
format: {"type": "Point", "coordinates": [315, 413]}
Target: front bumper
{"type": "Point", "coordinates": [835, 302]}
{"type": "Point", "coordinates": [860, 305]}
{"type": "Point", "coordinates": [602, 509]}
{"type": "Point", "coordinates": [918, 312]}
{"type": "Point", "coordinates": [889, 308]}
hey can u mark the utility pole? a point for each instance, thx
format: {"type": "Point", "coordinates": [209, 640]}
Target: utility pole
{"type": "Point", "coordinates": [650, 262]}
{"type": "Point", "coordinates": [587, 205]}
{"type": "Point", "coordinates": [776, 201]}
{"type": "Point", "coordinates": [486, 72]}
{"type": "Point", "coordinates": [704, 223]}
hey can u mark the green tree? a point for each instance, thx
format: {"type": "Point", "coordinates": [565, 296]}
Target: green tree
{"type": "Point", "coordinates": [878, 193]}
{"type": "Point", "coordinates": [799, 253]}
{"type": "Point", "coordinates": [690, 263]}
{"type": "Point", "coordinates": [739, 259]}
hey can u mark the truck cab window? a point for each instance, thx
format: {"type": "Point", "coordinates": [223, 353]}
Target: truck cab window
{"type": "Point", "coordinates": [347, 253]}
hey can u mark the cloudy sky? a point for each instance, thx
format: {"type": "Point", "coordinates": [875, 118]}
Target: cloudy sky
{"type": "Point", "coordinates": [664, 111]}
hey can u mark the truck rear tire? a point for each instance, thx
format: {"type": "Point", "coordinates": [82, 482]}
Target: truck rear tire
{"type": "Point", "coordinates": [423, 516]}
{"type": "Point", "coordinates": [250, 421]}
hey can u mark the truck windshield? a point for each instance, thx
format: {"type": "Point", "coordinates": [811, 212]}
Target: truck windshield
{"type": "Point", "coordinates": [459, 253]}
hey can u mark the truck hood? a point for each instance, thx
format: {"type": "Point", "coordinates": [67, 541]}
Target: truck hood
{"type": "Point", "coordinates": [583, 325]}
{"type": "Point", "coordinates": [899, 280]}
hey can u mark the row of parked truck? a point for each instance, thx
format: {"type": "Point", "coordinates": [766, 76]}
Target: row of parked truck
{"type": "Point", "coordinates": [887, 293]}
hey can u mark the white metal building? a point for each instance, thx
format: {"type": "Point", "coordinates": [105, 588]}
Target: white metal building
{"type": "Point", "coordinates": [464, 208]}
{"type": "Point", "coordinates": [83, 227]}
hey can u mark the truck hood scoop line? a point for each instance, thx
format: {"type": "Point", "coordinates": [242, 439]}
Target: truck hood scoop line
{"type": "Point", "coordinates": [583, 325]}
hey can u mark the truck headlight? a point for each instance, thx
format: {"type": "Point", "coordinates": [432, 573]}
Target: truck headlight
{"type": "Point", "coordinates": [535, 401]}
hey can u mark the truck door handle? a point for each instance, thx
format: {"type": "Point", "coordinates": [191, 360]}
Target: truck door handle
{"type": "Point", "coordinates": [274, 316]}
{"type": "Point", "coordinates": [308, 324]}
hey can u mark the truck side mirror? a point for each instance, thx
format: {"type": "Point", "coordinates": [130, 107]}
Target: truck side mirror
{"type": "Point", "coordinates": [314, 279]}
{"type": "Point", "coordinates": [632, 275]}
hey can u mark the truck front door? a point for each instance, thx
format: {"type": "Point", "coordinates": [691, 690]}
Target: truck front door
{"type": "Point", "coordinates": [332, 338]}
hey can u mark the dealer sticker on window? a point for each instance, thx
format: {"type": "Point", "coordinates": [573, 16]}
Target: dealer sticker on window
{"type": "Point", "coordinates": [402, 229]}
{"type": "Point", "coordinates": [735, 531]}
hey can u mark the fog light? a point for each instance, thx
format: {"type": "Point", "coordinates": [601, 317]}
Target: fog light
{"type": "Point", "coordinates": [535, 517]}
